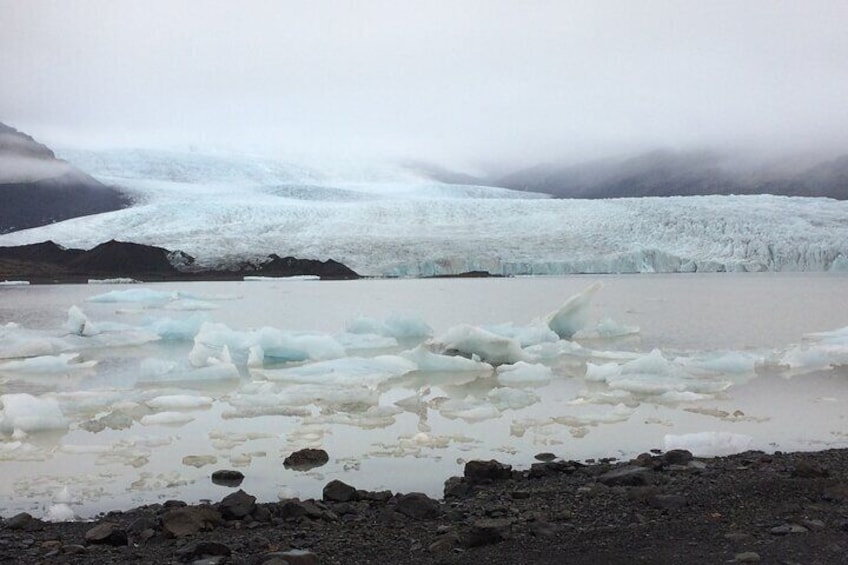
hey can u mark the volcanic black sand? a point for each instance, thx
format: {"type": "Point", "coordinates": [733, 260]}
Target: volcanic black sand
{"type": "Point", "coordinates": [659, 508]}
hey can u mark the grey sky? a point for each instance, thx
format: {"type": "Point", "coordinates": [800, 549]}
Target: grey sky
{"type": "Point", "coordinates": [455, 80]}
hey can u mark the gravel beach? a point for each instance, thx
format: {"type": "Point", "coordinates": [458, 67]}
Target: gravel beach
{"type": "Point", "coordinates": [658, 508]}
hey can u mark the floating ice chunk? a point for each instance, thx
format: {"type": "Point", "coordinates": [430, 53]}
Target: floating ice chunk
{"type": "Point", "coordinates": [79, 324]}
{"type": "Point", "coordinates": [283, 279]}
{"type": "Point", "coordinates": [709, 444]}
{"type": "Point", "coordinates": [179, 402]}
{"type": "Point", "coordinates": [524, 374]}
{"type": "Point", "coordinates": [818, 357]}
{"type": "Point", "coordinates": [255, 357]}
{"type": "Point", "coordinates": [47, 364]}
{"type": "Point", "coordinates": [427, 361]}
{"type": "Point", "coordinates": [117, 280]}
{"type": "Point", "coordinates": [573, 314]}
{"type": "Point", "coordinates": [14, 283]}
{"type": "Point", "coordinates": [525, 335]}
{"type": "Point", "coordinates": [607, 328]}
{"type": "Point", "coordinates": [398, 326]}
{"type": "Point", "coordinates": [170, 329]}
{"type": "Point", "coordinates": [365, 341]}
{"type": "Point", "coordinates": [468, 409]}
{"type": "Point", "coordinates": [16, 342]}
{"type": "Point", "coordinates": [60, 512]}
{"type": "Point", "coordinates": [365, 371]}
{"type": "Point", "coordinates": [470, 341]}
{"type": "Point", "coordinates": [30, 414]}
{"type": "Point", "coordinates": [595, 416]}
{"type": "Point", "coordinates": [677, 397]}
{"type": "Point", "coordinates": [163, 371]}
{"type": "Point", "coordinates": [373, 417]}
{"type": "Point", "coordinates": [836, 337]}
{"type": "Point", "coordinates": [555, 350]}
{"type": "Point", "coordinates": [166, 419]}
{"type": "Point", "coordinates": [653, 374]}
{"type": "Point", "coordinates": [511, 398]}
{"type": "Point", "coordinates": [366, 325]}
{"type": "Point", "coordinates": [602, 373]}
{"type": "Point", "coordinates": [730, 362]}
{"type": "Point", "coordinates": [136, 295]}
{"type": "Point", "coordinates": [189, 304]}
{"type": "Point", "coordinates": [298, 346]}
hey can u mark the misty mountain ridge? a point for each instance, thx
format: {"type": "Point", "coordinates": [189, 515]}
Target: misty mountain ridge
{"type": "Point", "coordinates": [681, 173]}
{"type": "Point", "coordinates": [37, 189]}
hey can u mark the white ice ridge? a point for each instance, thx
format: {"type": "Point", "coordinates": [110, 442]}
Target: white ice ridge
{"type": "Point", "coordinates": [387, 222]}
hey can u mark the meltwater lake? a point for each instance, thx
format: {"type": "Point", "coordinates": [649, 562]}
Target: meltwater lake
{"type": "Point", "coordinates": [120, 395]}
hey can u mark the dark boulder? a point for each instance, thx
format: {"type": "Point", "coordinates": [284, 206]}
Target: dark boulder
{"type": "Point", "coordinates": [418, 506]}
{"type": "Point", "coordinates": [106, 533]}
{"type": "Point", "coordinates": [487, 471]}
{"type": "Point", "coordinates": [337, 491]}
{"type": "Point", "coordinates": [306, 459]}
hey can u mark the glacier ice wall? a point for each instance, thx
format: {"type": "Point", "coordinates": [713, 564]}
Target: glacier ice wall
{"type": "Point", "coordinates": [389, 225]}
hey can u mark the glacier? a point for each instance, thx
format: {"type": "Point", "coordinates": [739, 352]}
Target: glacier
{"type": "Point", "coordinates": [387, 221]}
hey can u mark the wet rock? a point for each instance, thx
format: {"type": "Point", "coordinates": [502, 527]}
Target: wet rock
{"type": "Point", "coordinates": [477, 471]}
{"type": "Point", "coordinates": [677, 457]}
{"type": "Point", "coordinates": [380, 496]}
{"type": "Point", "coordinates": [628, 475]}
{"type": "Point", "coordinates": [294, 508]}
{"type": "Point", "coordinates": [418, 506]}
{"type": "Point", "coordinates": [237, 505]}
{"type": "Point", "coordinates": [545, 457]}
{"type": "Point", "coordinates": [24, 521]}
{"type": "Point", "coordinates": [550, 468]}
{"type": "Point", "coordinates": [337, 491]}
{"type": "Point", "coordinates": [488, 531]}
{"type": "Point", "coordinates": [227, 477]}
{"type": "Point", "coordinates": [190, 520]}
{"type": "Point", "coordinates": [306, 459]}
{"type": "Point", "coordinates": [106, 533]}
{"type": "Point", "coordinates": [457, 487]}
{"type": "Point", "coordinates": [203, 549]}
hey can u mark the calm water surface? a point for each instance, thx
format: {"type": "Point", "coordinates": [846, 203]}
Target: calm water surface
{"type": "Point", "coordinates": [413, 448]}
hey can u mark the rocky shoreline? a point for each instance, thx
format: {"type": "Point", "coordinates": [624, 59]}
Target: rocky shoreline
{"type": "Point", "coordinates": [658, 508]}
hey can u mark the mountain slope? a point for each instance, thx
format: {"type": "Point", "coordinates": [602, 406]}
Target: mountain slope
{"type": "Point", "coordinates": [36, 188]}
{"type": "Point", "coordinates": [670, 173]}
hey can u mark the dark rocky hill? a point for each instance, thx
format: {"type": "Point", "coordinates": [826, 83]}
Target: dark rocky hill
{"type": "Point", "coordinates": [671, 173]}
{"type": "Point", "coordinates": [47, 262]}
{"type": "Point", "coordinates": [36, 188]}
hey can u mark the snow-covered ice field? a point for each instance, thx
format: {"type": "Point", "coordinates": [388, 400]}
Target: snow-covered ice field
{"type": "Point", "coordinates": [390, 220]}
{"type": "Point", "coordinates": [116, 395]}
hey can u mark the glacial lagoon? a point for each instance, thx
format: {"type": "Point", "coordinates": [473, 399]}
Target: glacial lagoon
{"type": "Point", "coordinates": [120, 395]}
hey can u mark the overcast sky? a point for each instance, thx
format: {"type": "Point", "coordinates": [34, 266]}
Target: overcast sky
{"type": "Point", "coordinates": [474, 81]}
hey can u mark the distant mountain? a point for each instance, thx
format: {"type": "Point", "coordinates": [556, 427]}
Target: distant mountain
{"type": "Point", "coordinates": [36, 188]}
{"type": "Point", "coordinates": [670, 173]}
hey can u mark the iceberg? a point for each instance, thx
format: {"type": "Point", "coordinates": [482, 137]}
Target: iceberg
{"type": "Point", "coordinates": [30, 414]}
{"type": "Point", "coordinates": [474, 342]}
{"type": "Point", "coordinates": [573, 315]}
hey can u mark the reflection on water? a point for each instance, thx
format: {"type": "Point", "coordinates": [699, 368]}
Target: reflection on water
{"type": "Point", "coordinates": [116, 396]}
